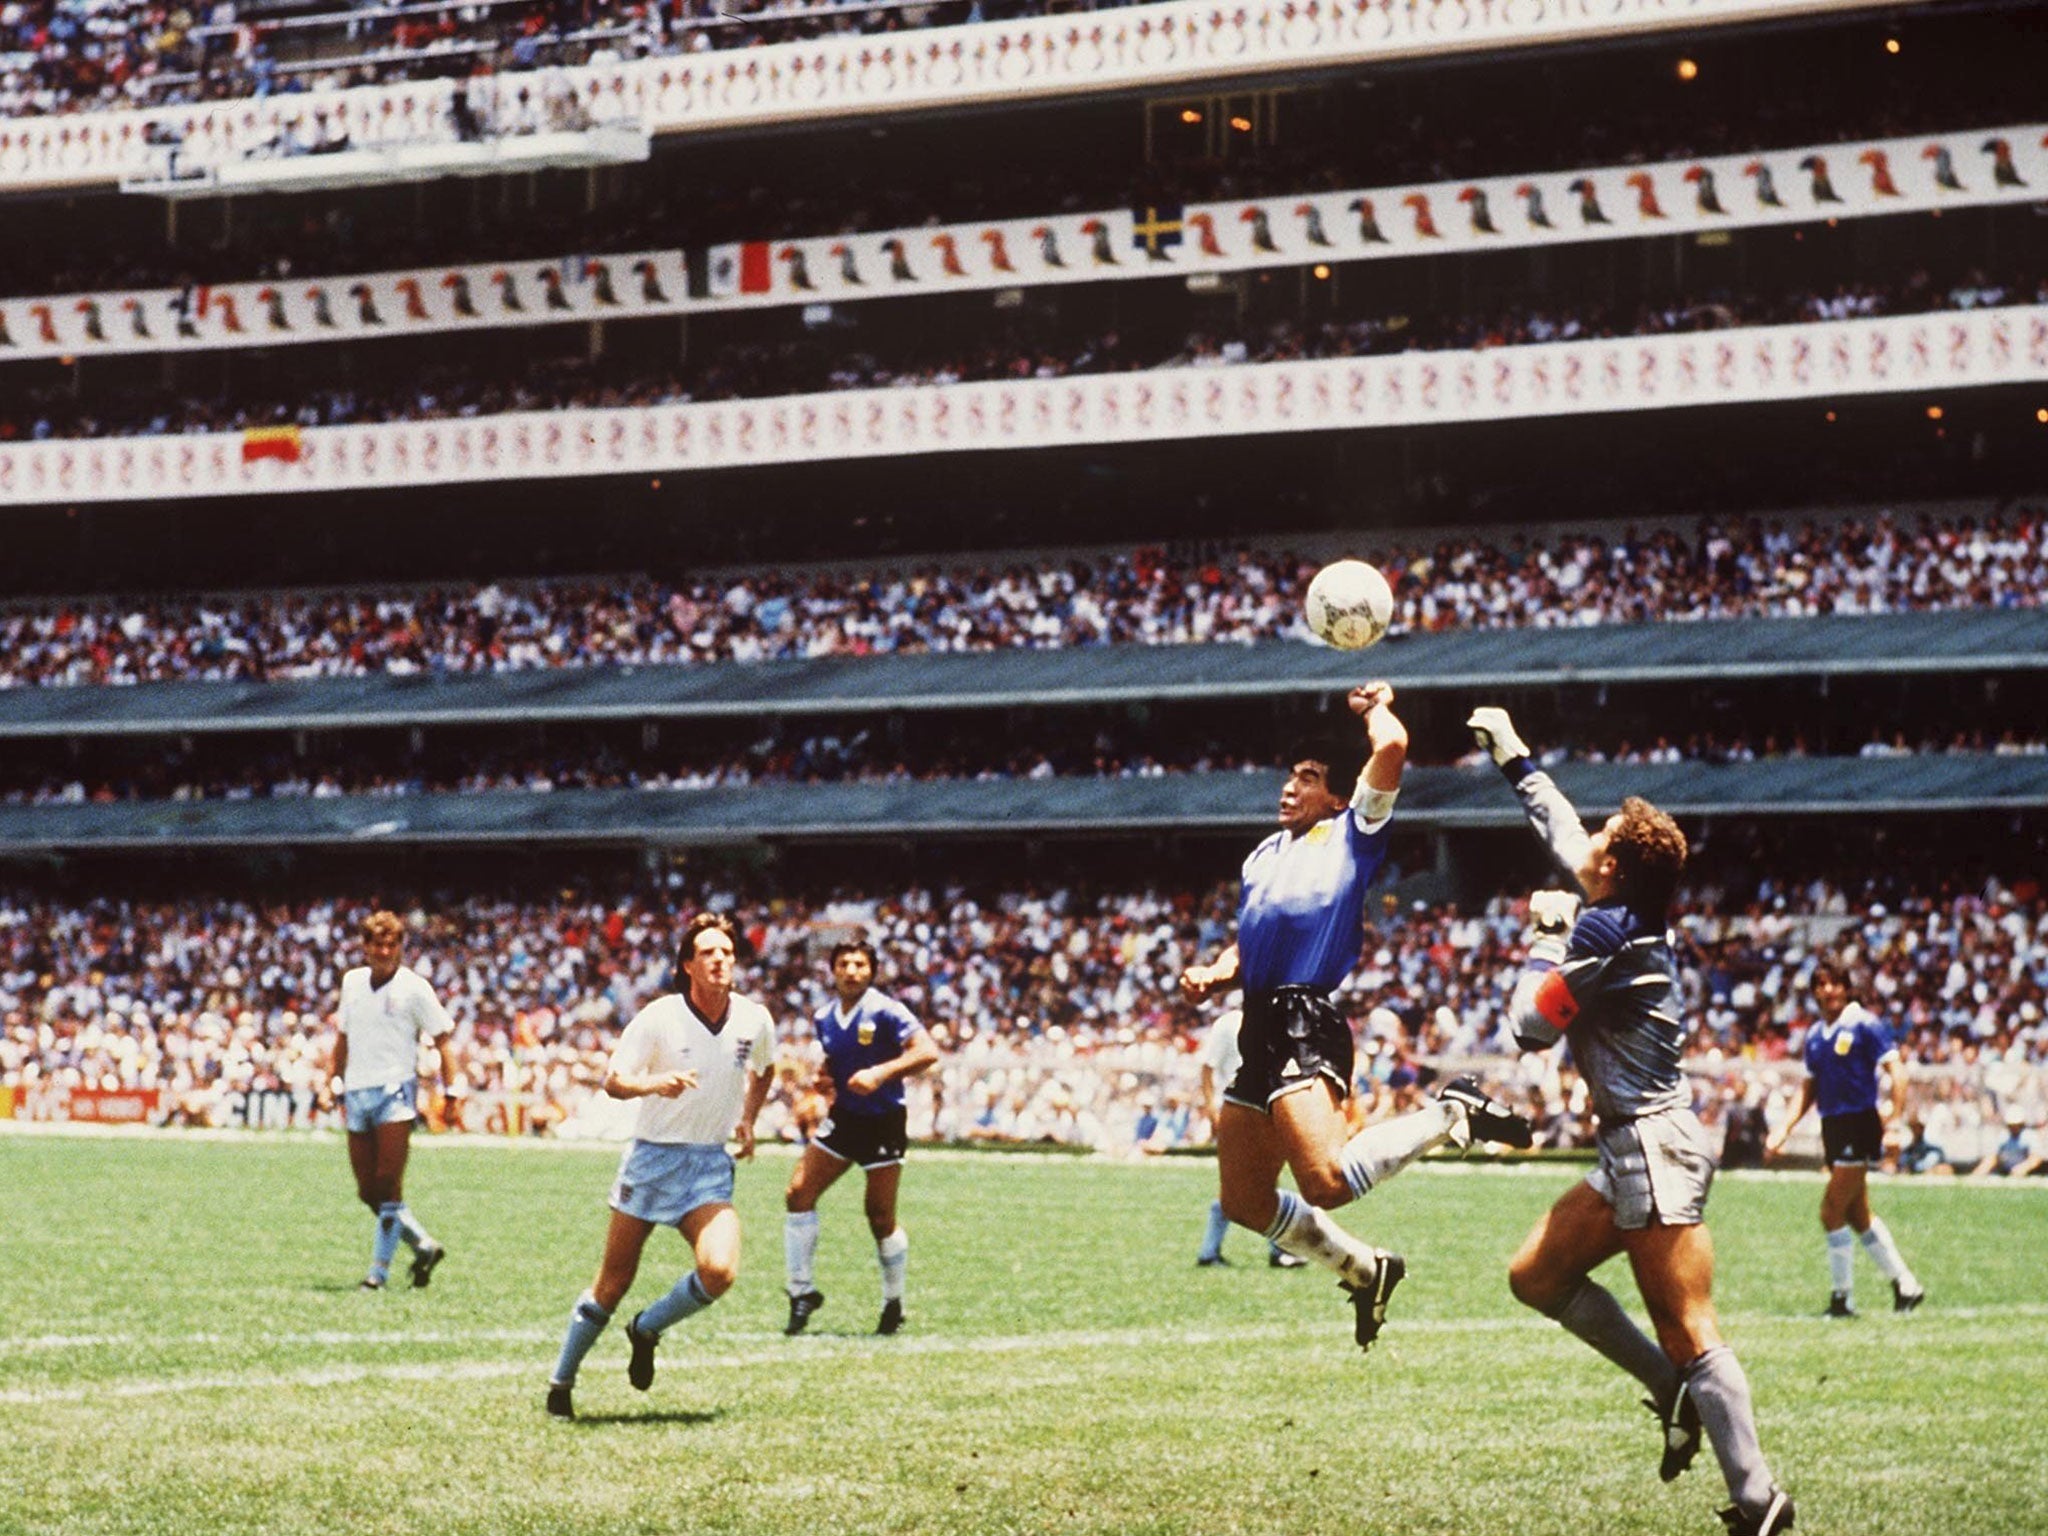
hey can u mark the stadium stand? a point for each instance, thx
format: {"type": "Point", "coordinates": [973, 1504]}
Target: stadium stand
{"type": "Point", "coordinates": [213, 1009]}
{"type": "Point", "coordinates": [1995, 558]}
{"type": "Point", "coordinates": [960, 717]}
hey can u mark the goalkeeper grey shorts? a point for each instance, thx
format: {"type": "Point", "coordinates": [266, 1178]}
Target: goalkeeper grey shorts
{"type": "Point", "coordinates": [1656, 1169]}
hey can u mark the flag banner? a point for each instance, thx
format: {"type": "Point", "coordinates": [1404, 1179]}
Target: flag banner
{"type": "Point", "coordinates": [1816, 360]}
{"type": "Point", "coordinates": [1146, 47]}
{"type": "Point", "coordinates": [280, 443]}
{"type": "Point", "coordinates": [1918, 174]}
{"type": "Point", "coordinates": [296, 311]}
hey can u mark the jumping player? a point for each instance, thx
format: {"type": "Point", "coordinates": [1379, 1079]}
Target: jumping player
{"type": "Point", "coordinates": [700, 1061]}
{"type": "Point", "coordinates": [1300, 926]}
{"type": "Point", "coordinates": [871, 1044]}
{"type": "Point", "coordinates": [1220, 1061]}
{"type": "Point", "coordinates": [1604, 980]}
{"type": "Point", "coordinates": [385, 1010]}
{"type": "Point", "coordinates": [1847, 1052]}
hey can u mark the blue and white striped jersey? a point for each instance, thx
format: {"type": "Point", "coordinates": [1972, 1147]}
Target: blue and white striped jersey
{"type": "Point", "coordinates": [1301, 920]}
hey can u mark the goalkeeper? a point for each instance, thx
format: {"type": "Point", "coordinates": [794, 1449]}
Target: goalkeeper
{"type": "Point", "coordinates": [1604, 979]}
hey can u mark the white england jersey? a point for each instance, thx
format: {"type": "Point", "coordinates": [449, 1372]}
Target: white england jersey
{"type": "Point", "coordinates": [1221, 1053]}
{"type": "Point", "coordinates": [669, 1035]}
{"type": "Point", "coordinates": [384, 1026]}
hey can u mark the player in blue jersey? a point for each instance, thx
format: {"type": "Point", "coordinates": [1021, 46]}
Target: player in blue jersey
{"type": "Point", "coordinates": [871, 1044]}
{"type": "Point", "coordinates": [1604, 980]}
{"type": "Point", "coordinates": [1300, 926]}
{"type": "Point", "coordinates": [1848, 1050]}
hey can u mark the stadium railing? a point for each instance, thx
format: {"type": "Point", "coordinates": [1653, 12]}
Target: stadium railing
{"type": "Point", "coordinates": [1875, 178]}
{"type": "Point", "coordinates": [1431, 799]}
{"type": "Point", "coordinates": [1183, 40]}
{"type": "Point", "coordinates": [1812, 360]}
{"type": "Point", "coordinates": [1955, 641]}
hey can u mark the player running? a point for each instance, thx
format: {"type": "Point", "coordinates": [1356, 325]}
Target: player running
{"type": "Point", "coordinates": [871, 1044]}
{"type": "Point", "coordinates": [1847, 1052]}
{"type": "Point", "coordinates": [385, 1010]}
{"type": "Point", "coordinates": [1220, 1061]}
{"type": "Point", "coordinates": [698, 1060]}
{"type": "Point", "coordinates": [1605, 981]}
{"type": "Point", "coordinates": [1300, 927]}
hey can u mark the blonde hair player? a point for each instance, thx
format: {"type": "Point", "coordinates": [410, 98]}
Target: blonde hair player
{"type": "Point", "coordinates": [385, 1010]}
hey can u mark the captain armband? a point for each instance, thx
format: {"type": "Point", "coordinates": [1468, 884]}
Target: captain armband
{"type": "Point", "coordinates": [1373, 804]}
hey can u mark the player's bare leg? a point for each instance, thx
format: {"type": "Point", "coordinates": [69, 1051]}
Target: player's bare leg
{"type": "Point", "coordinates": [1552, 1273]}
{"type": "Point", "coordinates": [713, 1233]}
{"type": "Point", "coordinates": [623, 1241]}
{"type": "Point", "coordinates": [1674, 1269]}
{"type": "Point", "coordinates": [1303, 1131]}
{"type": "Point", "coordinates": [816, 1171]}
{"type": "Point", "coordinates": [377, 1158]}
{"type": "Point", "coordinates": [892, 1243]}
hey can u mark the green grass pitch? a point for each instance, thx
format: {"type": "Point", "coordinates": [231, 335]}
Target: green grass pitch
{"type": "Point", "coordinates": [182, 1350]}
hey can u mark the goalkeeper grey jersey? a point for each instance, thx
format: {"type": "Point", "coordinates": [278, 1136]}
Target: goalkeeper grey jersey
{"type": "Point", "coordinates": [1615, 999]}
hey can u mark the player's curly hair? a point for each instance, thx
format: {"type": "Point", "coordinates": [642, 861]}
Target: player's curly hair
{"type": "Point", "coordinates": [1649, 855]}
{"type": "Point", "coordinates": [696, 927]}
{"type": "Point", "coordinates": [383, 924]}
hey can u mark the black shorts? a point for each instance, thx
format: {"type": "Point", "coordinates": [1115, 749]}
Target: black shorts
{"type": "Point", "coordinates": [873, 1141]}
{"type": "Point", "coordinates": [1290, 1036]}
{"type": "Point", "coordinates": [1852, 1141]}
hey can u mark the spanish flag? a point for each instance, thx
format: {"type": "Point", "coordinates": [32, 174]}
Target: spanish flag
{"type": "Point", "coordinates": [280, 443]}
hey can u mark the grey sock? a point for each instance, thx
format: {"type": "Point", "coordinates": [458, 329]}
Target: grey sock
{"type": "Point", "coordinates": [1592, 1314]}
{"type": "Point", "coordinates": [1722, 1392]}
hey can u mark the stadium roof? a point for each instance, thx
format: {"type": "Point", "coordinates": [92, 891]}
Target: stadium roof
{"type": "Point", "coordinates": [1976, 640]}
{"type": "Point", "coordinates": [1432, 798]}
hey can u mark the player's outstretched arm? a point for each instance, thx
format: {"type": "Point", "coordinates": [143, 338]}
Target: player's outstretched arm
{"type": "Point", "coordinates": [1373, 796]}
{"type": "Point", "coordinates": [1199, 981]}
{"type": "Point", "coordinates": [1549, 812]}
{"type": "Point", "coordinates": [659, 1085]}
{"type": "Point", "coordinates": [1775, 1142]}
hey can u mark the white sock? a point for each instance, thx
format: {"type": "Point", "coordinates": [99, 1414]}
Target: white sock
{"type": "Point", "coordinates": [1877, 1242]}
{"type": "Point", "coordinates": [409, 1228]}
{"type": "Point", "coordinates": [800, 1248]}
{"type": "Point", "coordinates": [1380, 1151]}
{"type": "Point", "coordinates": [1305, 1232]}
{"type": "Point", "coordinates": [1842, 1260]}
{"type": "Point", "coordinates": [893, 1254]}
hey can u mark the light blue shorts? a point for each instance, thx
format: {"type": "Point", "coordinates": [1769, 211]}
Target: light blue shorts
{"type": "Point", "coordinates": [663, 1181]}
{"type": "Point", "coordinates": [368, 1108]}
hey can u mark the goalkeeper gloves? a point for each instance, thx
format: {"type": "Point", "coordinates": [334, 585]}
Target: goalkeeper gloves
{"type": "Point", "coordinates": [1551, 915]}
{"type": "Point", "coordinates": [1495, 733]}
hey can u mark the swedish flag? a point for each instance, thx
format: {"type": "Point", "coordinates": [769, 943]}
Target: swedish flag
{"type": "Point", "coordinates": [1155, 227]}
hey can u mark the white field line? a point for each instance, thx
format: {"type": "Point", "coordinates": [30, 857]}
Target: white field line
{"type": "Point", "coordinates": [1445, 1166]}
{"type": "Point", "coordinates": [773, 1349]}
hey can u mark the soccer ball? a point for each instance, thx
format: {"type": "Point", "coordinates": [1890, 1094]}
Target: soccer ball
{"type": "Point", "coordinates": [1349, 605]}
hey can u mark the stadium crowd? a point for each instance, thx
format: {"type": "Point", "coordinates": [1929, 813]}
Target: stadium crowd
{"type": "Point", "coordinates": [97, 55]}
{"type": "Point", "coordinates": [1057, 1008]}
{"type": "Point", "coordinates": [1032, 345]}
{"type": "Point", "coordinates": [1149, 596]}
{"type": "Point", "coordinates": [856, 755]}
{"type": "Point", "coordinates": [61, 56]}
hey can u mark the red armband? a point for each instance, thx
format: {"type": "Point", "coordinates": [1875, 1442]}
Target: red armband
{"type": "Point", "coordinates": [1554, 1001]}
